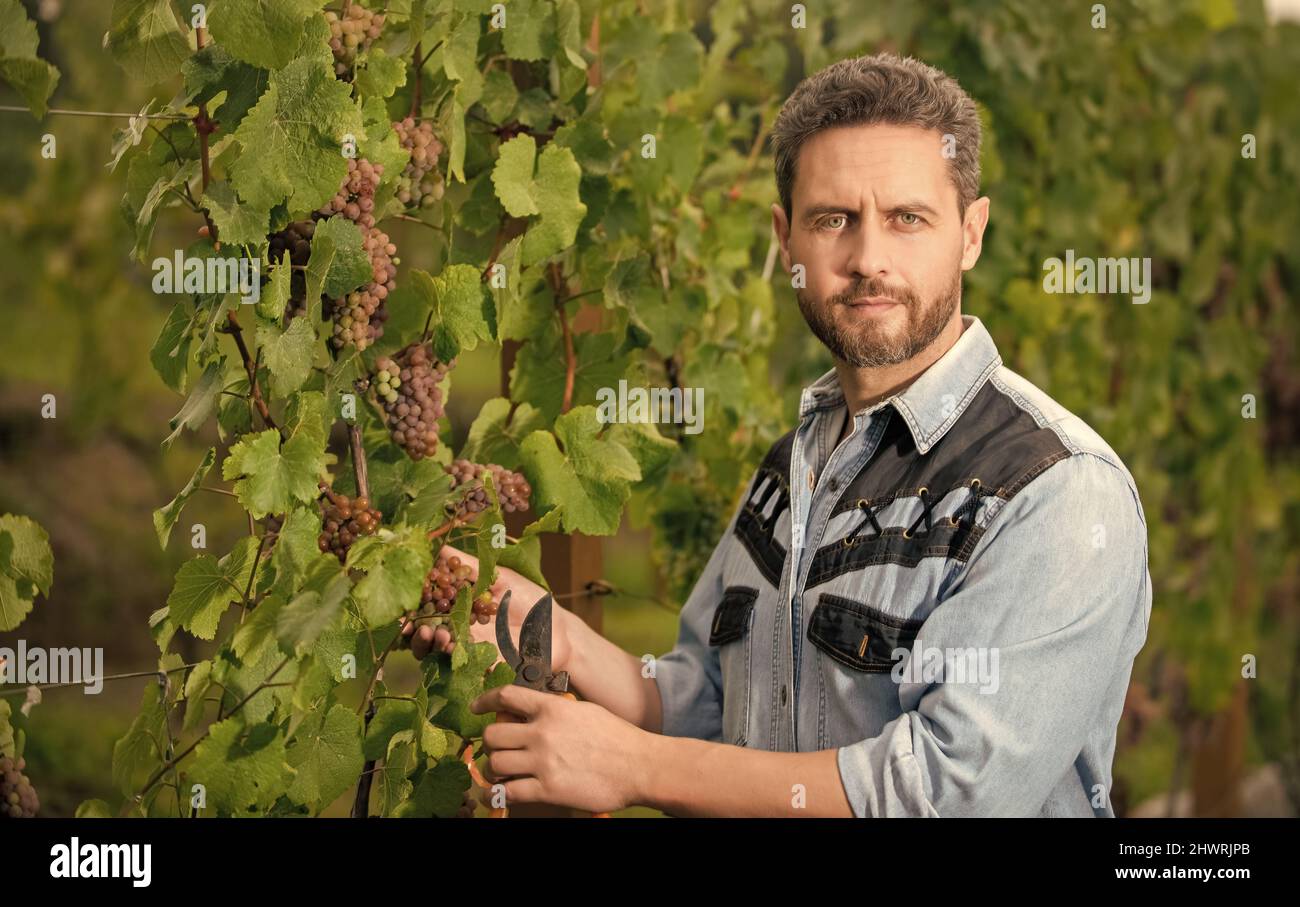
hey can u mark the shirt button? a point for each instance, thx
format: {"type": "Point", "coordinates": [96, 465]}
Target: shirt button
{"type": "Point", "coordinates": [784, 695]}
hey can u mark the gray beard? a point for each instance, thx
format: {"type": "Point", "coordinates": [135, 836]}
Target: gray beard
{"type": "Point", "coordinates": [866, 345]}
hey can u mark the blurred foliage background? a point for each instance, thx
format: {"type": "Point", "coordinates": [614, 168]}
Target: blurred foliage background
{"type": "Point", "coordinates": [1117, 141]}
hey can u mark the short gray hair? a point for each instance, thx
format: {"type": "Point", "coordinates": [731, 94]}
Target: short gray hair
{"type": "Point", "coordinates": [880, 88]}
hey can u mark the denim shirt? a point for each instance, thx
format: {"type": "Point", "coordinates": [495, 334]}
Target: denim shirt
{"type": "Point", "coordinates": [951, 598]}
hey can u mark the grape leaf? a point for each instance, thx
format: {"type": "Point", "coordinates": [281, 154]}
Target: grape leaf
{"type": "Point", "coordinates": [393, 582]}
{"type": "Point", "coordinates": [136, 754]}
{"type": "Point", "coordinates": [538, 373]}
{"type": "Point", "coordinates": [271, 477]}
{"type": "Point", "coordinates": [439, 792]}
{"type": "Point", "coordinates": [308, 414]}
{"type": "Point", "coordinates": [275, 295]}
{"type": "Point", "coordinates": [381, 144]}
{"type": "Point", "coordinates": [33, 78]}
{"type": "Point", "coordinates": [414, 490]}
{"type": "Point", "coordinates": [170, 354]}
{"type": "Point", "coordinates": [327, 757]}
{"type": "Point", "coordinates": [392, 716]}
{"type": "Point", "coordinates": [253, 638]}
{"type": "Point", "coordinates": [650, 448]}
{"type": "Point", "coordinates": [495, 434]}
{"type": "Point", "coordinates": [146, 39]}
{"type": "Point", "coordinates": [530, 29]}
{"type": "Point", "coordinates": [455, 131]}
{"type": "Point", "coordinates": [672, 66]}
{"type": "Point", "coordinates": [287, 353]}
{"type": "Point", "coordinates": [301, 622]}
{"type": "Point", "coordinates": [589, 478]}
{"type": "Point", "coordinates": [26, 568]}
{"type": "Point", "coordinates": [199, 404]}
{"type": "Point", "coordinates": [205, 587]}
{"type": "Point", "coordinates": [237, 224]}
{"type": "Point", "coordinates": [242, 768]}
{"type": "Point", "coordinates": [263, 33]}
{"type": "Point", "coordinates": [213, 70]}
{"type": "Point", "coordinates": [292, 140]}
{"type": "Point", "coordinates": [551, 192]}
{"type": "Point", "coordinates": [18, 36]}
{"type": "Point", "coordinates": [399, 759]}
{"type": "Point", "coordinates": [350, 266]}
{"type": "Point", "coordinates": [378, 74]}
{"type": "Point", "coordinates": [295, 549]}
{"type": "Point", "coordinates": [165, 517]}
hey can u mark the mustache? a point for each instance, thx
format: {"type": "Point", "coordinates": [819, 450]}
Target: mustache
{"type": "Point", "coordinates": [874, 287]}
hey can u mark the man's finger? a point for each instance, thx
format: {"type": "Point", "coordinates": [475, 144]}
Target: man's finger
{"type": "Point", "coordinates": [509, 764]}
{"type": "Point", "coordinates": [422, 641]}
{"type": "Point", "coordinates": [502, 735]}
{"type": "Point", "coordinates": [511, 698]}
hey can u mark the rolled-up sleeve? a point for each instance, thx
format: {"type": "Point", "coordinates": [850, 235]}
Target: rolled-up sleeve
{"type": "Point", "coordinates": [689, 677]}
{"type": "Point", "coordinates": [1058, 591]}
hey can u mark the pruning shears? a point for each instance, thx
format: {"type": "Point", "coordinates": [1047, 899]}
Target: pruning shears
{"type": "Point", "coordinates": [532, 659]}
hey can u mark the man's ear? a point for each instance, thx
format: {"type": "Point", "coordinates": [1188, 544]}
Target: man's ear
{"type": "Point", "coordinates": [782, 228]}
{"type": "Point", "coordinates": [972, 230]}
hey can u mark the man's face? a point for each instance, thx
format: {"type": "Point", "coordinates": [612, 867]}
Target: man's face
{"type": "Point", "coordinates": [875, 224]}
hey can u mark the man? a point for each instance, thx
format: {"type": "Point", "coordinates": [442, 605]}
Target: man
{"type": "Point", "coordinates": [930, 598]}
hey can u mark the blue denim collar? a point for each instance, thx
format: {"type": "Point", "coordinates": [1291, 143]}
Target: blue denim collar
{"type": "Point", "coordinates": [932, 403]}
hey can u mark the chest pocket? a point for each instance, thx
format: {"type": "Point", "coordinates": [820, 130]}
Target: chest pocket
{"type": "Point", "coordinates": [730, 632]}
{"type": "Point", "coordinates": [859, 636]}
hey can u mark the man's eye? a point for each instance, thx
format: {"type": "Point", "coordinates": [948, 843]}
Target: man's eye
{"type": "Point", "coordinates": [826, 224]}
{"type": "Point", "coordinates": [915, 219]}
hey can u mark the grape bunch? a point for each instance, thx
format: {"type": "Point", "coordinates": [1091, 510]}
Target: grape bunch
{"type": "Point", "coordinates": [344, 521]}
{"type": "Point", "coordinates": [355, 198]}
{"type": "Point", "coordinates": [414, 187]}
{"type": "Point", "coordinates": [407, 387]}
{"type": "Point", "coordinates": [17, 796]}
{"type": "Point", "coordinates": [512, 488]}
{"type": "Point", "coordinates": [351, 33]}
{"type": "Point", "coordinates": [359, 317]}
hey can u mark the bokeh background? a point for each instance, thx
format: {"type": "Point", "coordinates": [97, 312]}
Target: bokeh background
{"type": "Point", "coordinates": [1122, 140]}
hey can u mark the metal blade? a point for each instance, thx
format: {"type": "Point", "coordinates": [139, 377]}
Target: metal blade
{"type": "Point", "coordinates": [535, 635]}
{"type": "Point", "coordinates": [504, 642]}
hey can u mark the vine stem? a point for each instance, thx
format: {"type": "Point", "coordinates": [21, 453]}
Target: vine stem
{"type": "Point", "coordinates": [570, 360]}
{"type": "Point", "coordinates": [235, 331]}
{"type": "Point", "coordinates": [205, 126]}
{"type": "Point", "coordinates": [65, 111]}
{"type": "Point", "coordinates": [172, 763]}
{"type": "Point", "coordinates": [359, 469]}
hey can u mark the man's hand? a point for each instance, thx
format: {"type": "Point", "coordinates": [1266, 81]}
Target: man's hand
{"type": "Point", "coordinates": [564, 752]}
{"type": "Point", "coordinates": [524, 594]}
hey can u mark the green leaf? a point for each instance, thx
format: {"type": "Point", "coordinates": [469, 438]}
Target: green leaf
{"type": "Point", "coordinates": [302, 621]}
{"type": "Point", "coordinates": [439, 792]}
{"type": "Point", "coordinates": [651, 449]}
{"type": "Point", "coordinates": [562, 209]}
{"type": "Point", "coordinates": [18, 36]}
{"type": "Point", "coordinates": [287, 353]}
{"type": "Point", "coordinates": [292, 140]}
{"type": "Point", "coordinates": [146, 39]}
{"type": "Point", "coordinates": [212, 71]}
{"type": "Point", "coordinates": [171, 351]}
{"type": "Point", "coordinates": [392, 716]}
{"type": "Point", "coordinates": [410, 490]}
{"type": "Point", "coordinates": [308, 415]}
{"type": "Point", "coordinates": [34, 79]}
{"type": "Point", "coordinates": [378, 74]}
{"type": "Point", "coordinates": [538, 374]}
{"type": "Point", "coordinates": [252, 640]}
{"type": "Point", "coordinates": [272, 477]}
{"type": "Point", "coordinates": [205, 587]}
{"type": "Point", "coordinates": [393, 583]}
{"type": "Point", "coordinates": [589, 478]}
{"type": "Point", "coordinates": [673, 66]}
{"type": "Point", "coordinates": [139, 752]}
{"type": "Point", "coordinates": [530, 29]}
{"type": "Point", "coordinates": [26, 567]}
{"type": "Point", "coordinates": [513, 175]}
{"type": "Point", "coordinates": [495, 435]}
{"type": "Point", "coordinates": [327, 758]}
{"type": "Point", "coordinates": [350, 265]}
{"type": "Point", "coordinates": [164, 518]}
{"type": "Point", "coordinates": [462, 311]}
{"type": "Point", "coordinates": [296, 549]}
{"type": "Point", "coordinates": [199, 404]}
{"type": "Point", "coordinates": [264, 33]}
{"type": "Point", "coordinates": [242, 768]}
{"type": "Point", "coordinates": [275, 295]}
{"type": "Point", "coordinates": [237, 224]}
